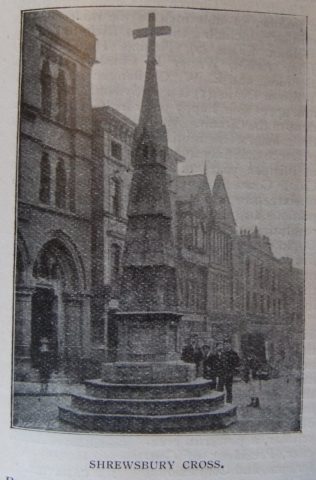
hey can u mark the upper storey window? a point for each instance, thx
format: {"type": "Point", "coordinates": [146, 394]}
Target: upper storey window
{"type": "Point", "coordinates": [115, 193]}
{"type": "Point", "coordinates": [201, 236]}
{"type": "Point", "coordinates": [46, 88]}
{"type": "Point", "coordinates": [56, 91]}
{"type": "Point", "coordinates": [247, 268]}
{"type": "Point", "coordinates": [116, 150]}
{"type": "Point", "coordinates": [187, 232]}
{"type": "Point", "coordinates": [45, 179]}
{"type": "Point", "coordinates": [62, 97]}
{"type": "Point", "coordinates": [61, 184]}
{"type": "Point", "coordinates": [56, 182]}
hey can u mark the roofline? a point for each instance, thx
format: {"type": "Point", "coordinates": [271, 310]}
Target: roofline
{"type": "Point", "coordinates": [107, 109]}
{"type": "Point", "coordinates": [56, 11]}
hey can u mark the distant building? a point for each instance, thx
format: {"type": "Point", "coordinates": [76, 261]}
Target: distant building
{"type": "Point", "coordinates": [74, 176]}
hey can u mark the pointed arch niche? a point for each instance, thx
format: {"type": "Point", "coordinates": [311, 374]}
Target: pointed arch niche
{"type": "Point", "coordinates": [57, 311]}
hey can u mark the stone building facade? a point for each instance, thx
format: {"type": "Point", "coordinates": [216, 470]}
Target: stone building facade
{"type": "Point", "coordinates": [53, 258]}
{"type": "Point", "coordinates": [73, 185]}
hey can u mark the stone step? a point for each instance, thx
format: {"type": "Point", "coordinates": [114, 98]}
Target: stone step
{"type": "Point", "coordinates": [101, 389]}
{"type": "Point", "coordinates": [165, 406]}
{"type": "Point", "coordinates": [148, 372]}
{"type": "Point", "coordinates": [188, 422]}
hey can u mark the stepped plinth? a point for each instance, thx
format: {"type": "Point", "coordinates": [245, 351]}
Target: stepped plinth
{"type": "Point", "coordinates": [149, 408]}
{"type": "Point", "coordinates": [146, 391]}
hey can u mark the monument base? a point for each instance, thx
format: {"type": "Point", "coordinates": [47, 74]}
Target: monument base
{"type": "Point", "coordinates": [149, 408]}
{"type": "Point", "coordinates": [147, 390]}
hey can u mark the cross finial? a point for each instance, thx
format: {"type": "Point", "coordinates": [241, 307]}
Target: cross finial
{"type": "Point", "coordinates": [151, 32]}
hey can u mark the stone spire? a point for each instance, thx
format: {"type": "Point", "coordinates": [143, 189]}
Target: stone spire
{"type": "Point", "coordinates": [149, 277]}
{"type": "Point", "coordinates": [150, 113]}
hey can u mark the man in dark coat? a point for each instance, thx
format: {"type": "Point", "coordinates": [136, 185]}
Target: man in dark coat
{"type": "Point", "coordinates": [228, 364]}
{"type": "Point", "coordinates": [210, 365]}
{"type": "Point", "coordinates": [192, 353]}
{"type": "Point", "coordinates": [45, 364]}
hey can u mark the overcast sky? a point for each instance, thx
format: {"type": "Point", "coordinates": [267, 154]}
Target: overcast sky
{"type": "Point", "coordinates": [232, 92]}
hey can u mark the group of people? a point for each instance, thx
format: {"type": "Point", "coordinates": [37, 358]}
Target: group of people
{"type": "Point", "coordinates": [220, 367]}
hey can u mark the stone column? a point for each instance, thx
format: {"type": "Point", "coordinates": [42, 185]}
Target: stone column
{"type": "Point", "coordinates": [23, 330]}
{"type": "Point", "coordinates": [85, 330]}
{"type": "Point", "coordinates": [23, 321]}
{"type": "Point", "coordinates": [73, 332]}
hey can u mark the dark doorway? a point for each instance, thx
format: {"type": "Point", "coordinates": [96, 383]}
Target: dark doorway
{"type": "Point", "coordinates": [112, 336]}
{"type": "Point", "coordinates": [254, 343]}
{"type": "Point", "coordinates": [44, 324]}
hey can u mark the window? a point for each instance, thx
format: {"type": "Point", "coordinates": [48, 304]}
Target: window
{"type": "Point", "coordinates": [116, 150]}
{"type": "Point", "coordinates": [247, 301]}
{"type": "Point", "coordinates": [61, 184]}
{"type": "Point", "coordinates": [261, 273]}
{"type": "Point", "coordinates": [201, 236]}
{"type": "Point", "coordinates": [187, 232]}
{"type": "Point", "coordinates": [44, 193]}
{"type": "Point", "coordinates": [247, 268]}
{"type": "Point", "coordinates": [115, 268]}
{"type": "Point", "coordinates": [262, 304]}
{"type": "Point", "coordinates": [46, 88]}
{"type": "Point", "coordinates": [195, 232]}
{"type": "Point", "coordinates": [273, 282]}
{"type": "Point", "coordinates": [115, 192]}
{"type": "Point", "coordinates": [254, 302]}
{"type": "Point", "coordinates": [62, 97]}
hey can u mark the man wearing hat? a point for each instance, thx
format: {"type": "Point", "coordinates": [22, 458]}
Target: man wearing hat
{"type": "Point", "coordinates": [45, 364]}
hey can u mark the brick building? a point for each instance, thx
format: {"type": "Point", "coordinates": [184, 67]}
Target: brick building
{"type": "Point", "coordinates": [73, 185]}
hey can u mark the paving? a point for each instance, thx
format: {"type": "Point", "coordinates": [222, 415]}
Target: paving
{"type": "Point", "coordinates": [279, 411]}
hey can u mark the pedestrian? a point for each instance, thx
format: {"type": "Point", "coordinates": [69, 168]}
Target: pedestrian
{"type": "Point", "coordinates": [252, 375]}
{"type": "Point", "coordinates": [192, 352]}
{"type": "Point", "coordinates": [228, 363]}
{"type": "Point", "coordinates": [210, 365]}
{"type": "Point", "coordinates": [45, 364]}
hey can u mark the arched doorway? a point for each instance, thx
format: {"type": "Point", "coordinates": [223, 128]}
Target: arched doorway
{"type": "Point", "coordinates": [57, 306]}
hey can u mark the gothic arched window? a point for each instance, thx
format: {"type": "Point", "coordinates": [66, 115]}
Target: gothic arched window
{"type": "Point", "coordinates": [46, 88]}
{"type": "Point", "coordinates": [62, 97]}
{"type": "Point", "coordinates": [115, 193]}
{"type": "Point", "coordinates": [45, 179]}
{"type": "Point", "coordinates": [61, 184]}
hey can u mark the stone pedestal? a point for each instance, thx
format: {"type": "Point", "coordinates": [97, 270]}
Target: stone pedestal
{"type": "Point", "coordinates": [146, 391]}
{"type": "Point", "coordinates": [146, 336]}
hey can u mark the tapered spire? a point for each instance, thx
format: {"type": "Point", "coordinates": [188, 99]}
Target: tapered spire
{"type": "Point", "coordinates": [150, 113]}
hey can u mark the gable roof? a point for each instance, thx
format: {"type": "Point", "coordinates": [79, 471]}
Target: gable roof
{"type": "Point", "coordinates": [189, 186]}
{"type": "Point", "coordinates": [223, 209]}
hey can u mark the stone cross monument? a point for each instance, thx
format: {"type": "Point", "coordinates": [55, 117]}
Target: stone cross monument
{"type": "Point", "coordinates": [147, 388]}
{"type": "Point", "coordinates": [147, 323]}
